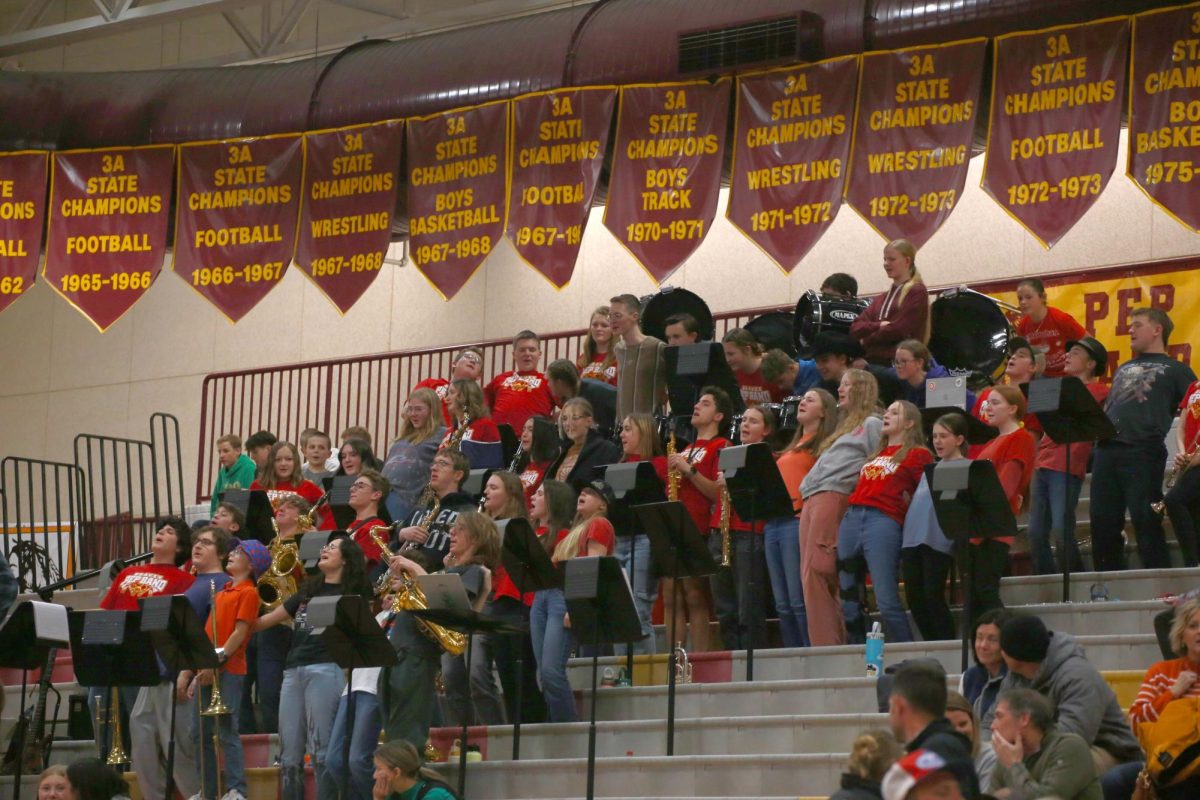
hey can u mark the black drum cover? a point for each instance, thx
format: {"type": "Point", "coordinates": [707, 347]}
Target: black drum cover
{"type": "Point", "coordinates": [656, 308]}
{"type": "Point", "coordinates": [816, 313]}
{"type": "Point", "coordinates": [774, 330]}
{"type": "Point", "coordinates": [969, 334]}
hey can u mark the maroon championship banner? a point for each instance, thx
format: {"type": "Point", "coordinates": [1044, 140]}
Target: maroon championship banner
{"type": "Point", "coordinates": [1164, 111]}
{"type": "Point", "coordinates": [106, 238]}
{"type": "Point", "coordinates": [557, 149]}
{"type": "Point", "coordinates": [350, 182]}
{"type": "Point", "coordinates": [1055, 122]}
{"type": "Point", "coordinates": [792, 140]}
{"type": "Point", "coordinates": [236, 215]}
{"type": "Point", "coordinates": [912, 138]}
{"type": "Point", "coordinates": [456, 191]}
{"type": "Point", "coordinates": [666, 171]}
{"type": "Point", "coordinates": [22, 211]}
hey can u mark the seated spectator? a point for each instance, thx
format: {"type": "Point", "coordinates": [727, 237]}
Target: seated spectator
{"type": "Point", "coordinates": [1033, 759]}
{"type": "Point", "coordinates": [52, 783]}
{"type": "Point", "coordinates": [980, 683]}
{"type": "Point", "coordinates": [913, 365]}
{"type": "Point", "coordinates": [258, 447]}
{"type": "Point", "coordinates": [791, 376]}
{"type": "Point", "coordinates": [467, 365]}
{"type": "Point", "coordinates": [399, 774]}
{"type": "Point", "coordinates": [926, 775]}
{"type": "Point", "coordinates": [566, 383]}
{"type": "Point", "coordinates": [464, 402]}
{"type": "Point", "coordinates": [917, 712]}
{"type": "Point", "coordinates": [872, 753]}
{"type": "Point", "coordinates": [962, 717]}
{"type": "Point", "coordinates": [1164, 620]}
{"type": "Point", "coordinates": [236, 471]}
{"type": "Point", "coordinates": [1054, 664]}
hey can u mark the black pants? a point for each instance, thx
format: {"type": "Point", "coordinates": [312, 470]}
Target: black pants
{"type": "Point", "coordinates": [1183, 505]}
{"type": "Point", "coordinates": [987, 562]}
{"type": "Point", "coordinates": [506, 650]}
{"type": "Point", "coordinates": [738, 590]}
{"type": "Point", "coordinates": [926, 573]}
{"type": "Point", "coordinates": [1127, 477]}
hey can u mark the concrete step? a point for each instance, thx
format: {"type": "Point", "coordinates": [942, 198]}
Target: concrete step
{"type": "Point", "coordinates": [1133, 584]}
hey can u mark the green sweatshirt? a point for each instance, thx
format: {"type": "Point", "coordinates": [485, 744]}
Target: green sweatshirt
{"type": "Point", "coordinates": [239, 476]}
{"type": "Point", "coordinates": [1062, 768]}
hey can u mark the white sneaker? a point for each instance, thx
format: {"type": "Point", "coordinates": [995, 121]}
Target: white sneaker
{"type": "Point", "coordinates": [233, 794]}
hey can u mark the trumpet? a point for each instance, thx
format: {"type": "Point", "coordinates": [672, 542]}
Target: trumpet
{"type": "Point", "coordinates": [683, 665]}
{"type": "Point", "coordinates": [1160, 506]}
{"type": "Point", "coordinates": [216, 706]}
{"type": "Point", "coordinates": [116, 751]}
{"type": "Point", "coordinates": [673, 475]}
{"type": "Point", "coordinates": [410, 597]}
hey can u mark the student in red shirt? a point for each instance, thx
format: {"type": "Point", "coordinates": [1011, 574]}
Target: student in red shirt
{"type": "Point", "coordinates": [1013, 454]}
{"type": "Point", "coordinates": [871, 532]}
{"type": "Point", "coordinates": [1182, 500]}
{"type": "Point", "coordinates": [538, 451]}
{"type": "Point", "coordinates": [468, 366]}
{"type": "Point", "coordinates": [464, 401]}
{"type": "Point", "coordinates": [1047, 328]}
{"type": "Point", "coordinates": [518, 394]}
{"type": "Point", "coordinates": [280, 477]}
{"type": "Point", "coordinates": [696, 466]}
{"type": "Point", "coordinates": [366, 493]}
{"type": "Point", "coordinates": [597, 359]}
{"type": "Point", "coordinates": [639, 442]}
{"type": "Point", "coordinates": [744, 354]}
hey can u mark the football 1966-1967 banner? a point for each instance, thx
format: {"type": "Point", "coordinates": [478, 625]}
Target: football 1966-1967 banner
{"type": "Point", "coordinates": [22, 211]}
{"type": "Point", "coordinates": [666, 171]}
{"type": "Point", "coordinates": [1164, 110]}
{"type": "Point", "coordinates": [557, 150]}
{"type": "Point", "coordinates": [912, 137]}
{"type": "Point", "coordinates": [456, 191]}
{"type": "Point", "coordinates": [1055, 122]}
{"type": "Point", "coordinates": [350, 184]}
{"type": "Point", "coordinates": [107, 232]}
{"type": "Point", "coordinates": [790, 150]}
{"type": "Point", "coordinates": [236, 212]}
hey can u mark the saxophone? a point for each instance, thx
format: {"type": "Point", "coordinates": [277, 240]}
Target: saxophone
{"type": "Point", "coordinates": [726, 539]}
{"type": "Point", "coordinates": [277, 584]}
{"type": "Point", "coordinates": [430, 494]}
{"type": "Point", "coordinates": [455, 442]}
{"type": "Point", "coordinates": [410, 597]}
{"type": "Point", "coordinates": [673, 475]}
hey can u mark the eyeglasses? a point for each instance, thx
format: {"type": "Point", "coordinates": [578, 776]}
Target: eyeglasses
{"type": "Point", "coordinates": [361, 485]}
{"type": "Point", "coordinates": [329, 546]}
{"type": "Point", "coordinates": [900, 362]}
{"type": "Point", "coordinates": [206, 542]}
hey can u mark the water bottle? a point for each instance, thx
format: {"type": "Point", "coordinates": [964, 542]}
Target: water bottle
{"type": "Point", "coordinates": [875, 651]}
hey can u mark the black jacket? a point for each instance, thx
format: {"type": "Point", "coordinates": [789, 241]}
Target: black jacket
{"type": "Point", "coordinates": [856, 788]}
{"type": "Point", "coordinates": [597, 452]}
{"type": "Point", "coordinates": [603, 397]}
{"type": "Point", "coordinates": [940, 737]}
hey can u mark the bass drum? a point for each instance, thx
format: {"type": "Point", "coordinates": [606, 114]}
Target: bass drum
{"type": "Point", "coordinates": [774, 330]}
{"type": "Point", "coordinates": [816, 313]}
{"type": "Point", "coordinates": [969, 334]}
{"type": "Point", "coordinates": [656, 308]}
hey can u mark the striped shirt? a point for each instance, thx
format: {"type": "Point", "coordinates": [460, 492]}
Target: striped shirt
{"type": "Point", "coordinates": [1155, 693]}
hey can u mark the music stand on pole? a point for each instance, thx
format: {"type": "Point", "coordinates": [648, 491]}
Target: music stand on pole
{"type": "Point", "coordinates": [678, 550]}
{"type": "Point", "coordinates": [356, 641]}
{"type": "Point", "coordinates": [256, 508]}
{"type": "Point", "coordinates": [1068, 414]}
{"type": "Point", "coordinates": [757, 492]}
{"type": "Point", "coordinates": [529, 566]}
{"type": "Point", "coordinates": [600, 604]}
{"type": "Point", "coordinates": [468, 622]}
{"type": "Point", "coordinates": [969, 502]}
{"type": "Point", "coordinates": [633, 484]}
{"type": "Point", "coordinates": [26, 638]}
{"type": "Point", "coordinates": [337, 494]}
{"type": "Point", "coordinates": [180, 641]}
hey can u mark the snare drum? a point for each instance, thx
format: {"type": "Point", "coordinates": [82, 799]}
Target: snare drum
{"type": "Point", "coordinates": [816, 313]}
{"type": "Point", "coordinates": [969, 334]}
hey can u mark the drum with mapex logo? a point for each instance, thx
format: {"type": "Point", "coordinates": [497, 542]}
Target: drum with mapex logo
{"type": "Point", "coordinates": [816, 313]}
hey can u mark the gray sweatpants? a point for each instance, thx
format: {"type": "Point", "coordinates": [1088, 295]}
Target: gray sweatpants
{"type": "Point", "coordinates": [149, 734]}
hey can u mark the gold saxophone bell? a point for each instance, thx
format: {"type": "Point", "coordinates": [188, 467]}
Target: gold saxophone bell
{"type": "Point", "coordinates": [216, 706]}
{"type": "Point", "coordinates": [410, 597]}
{"type": "Point", "coordinates": [116, 753]}
{"type": "Point", "coordinates": [277, 584]}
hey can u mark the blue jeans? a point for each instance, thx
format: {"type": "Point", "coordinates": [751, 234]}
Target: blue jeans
{"type": "Point", "coordinates": [867, 534]}
{"type": "Point", "coordinates": [231, 743]}
{"type": "Point", "coordinates": [782, 540]}
{"type": "Point", "coordinates": [363, 741]}
{"type": "Point", "coordinates": [552, 645]}
{"type": "Point", "coordinates": [1052, 511]}
{"type": "Point", "coordinates": [307, 704]}
{"type": "Point", "coordinates": [1125, 476]}
{"type": "Point", "coordinates": [643, 583]}
{"type": "Point", "coordinates": [273, 644]}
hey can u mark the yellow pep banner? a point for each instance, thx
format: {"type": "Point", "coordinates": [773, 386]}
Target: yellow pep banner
{"type": "Point", "coordinates": [1103, 300]}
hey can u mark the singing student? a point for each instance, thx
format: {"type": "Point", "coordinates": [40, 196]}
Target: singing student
{"type": "Point", "coordinates": [468, 414]}
{"type": "Point", "coordinates": [1047, 328]}
{"type": "Point", "coordinates": [280, 476]}
{"type": "Point", "coordinates": [539, 448]}
{"type": "Point", "coordinates": [640, 442]}
{"type": "Point", "coordinates": [366, 495]}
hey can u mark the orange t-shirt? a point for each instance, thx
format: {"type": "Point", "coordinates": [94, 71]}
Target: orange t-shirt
{"type": "Point", "coordinates": [235, 604]}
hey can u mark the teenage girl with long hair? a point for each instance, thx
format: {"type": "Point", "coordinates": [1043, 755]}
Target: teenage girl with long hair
{"type": "Point", "coordinates": [639, 442]}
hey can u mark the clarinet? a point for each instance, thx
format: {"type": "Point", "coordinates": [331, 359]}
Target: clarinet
{"type": "Point", "coordinates": [516, 459]}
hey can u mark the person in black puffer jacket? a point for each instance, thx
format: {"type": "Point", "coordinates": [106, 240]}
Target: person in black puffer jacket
{"type": "Point", "coordinates": [872, 753]}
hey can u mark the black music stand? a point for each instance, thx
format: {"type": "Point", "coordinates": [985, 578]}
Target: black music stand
{"type": "Point", "coordinates": [679, 551]}
{"type": "Point", "coordinates": [757, 493]}
{"type": "Point", "coordinates": [469, 623]}
{"type": "Point", "coordinates": [337, 494]}
{"type": "Point", "coordinates": [311, 545]}
{"type": "Point", "coordinates": [26, 638]}
{"type": "Point", "coordinates": [600, 604]}
{"type": "Point", "coordinates": [179, 640]}
{"type": "Point", "coordinates": [256, 508]}
{"type": "Point", "coordinates": [1068, 414]}
{"type": "Point", "coordinates": [529, 566]}
{"type": "Point", "coordinates": [356, 641]}
{"type": "Point", "coordinates": [969, 502]}
{"type": "Point", "coordinates": [694, 366]}
{"type": "Point", "coordinates": [509, 442]}
{"type": "Point", "coordinates": [633, 484]}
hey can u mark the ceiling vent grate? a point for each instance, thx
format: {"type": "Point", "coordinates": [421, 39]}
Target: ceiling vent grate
{"type": "Point", "coordinates": [727, 48]}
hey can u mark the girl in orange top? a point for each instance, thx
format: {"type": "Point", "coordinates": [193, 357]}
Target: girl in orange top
{"type": "Point", "coordinates": [816, 416]}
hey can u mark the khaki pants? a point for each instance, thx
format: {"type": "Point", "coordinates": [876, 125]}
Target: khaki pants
{"type": "Point", "coordinates": [819, 523]}
{"type": "Point", "coordinates": [149, 735]}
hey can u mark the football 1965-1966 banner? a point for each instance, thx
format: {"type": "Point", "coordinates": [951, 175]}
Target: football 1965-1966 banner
{"type": "Point", "coordinates": [350, 184]}
{"type": "Point", "coordinates": [791, 143]}
{"type": "Point", "coordinates": [456, 191]}
{"type": "Point", "coordinates": [22, 212]}
{"type": "Point", "coordinates": [1164, 110]}
{"type": "Point", "coordinates": [107, 232]}
{"type": "Point", "coordinates": [236, 213]}
{"type": "Point", "coordinates": [666, 171]}
{"type": "Point", "coordinates": [1055, 122]}
{"type": "Point", "coordinates": [914, 127]}
{"type": "Point", "coordinates": [557, 150]}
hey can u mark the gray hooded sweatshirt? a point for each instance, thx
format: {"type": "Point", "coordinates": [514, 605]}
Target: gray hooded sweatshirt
{"type": "Point", "coordinates": [838, 467]}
